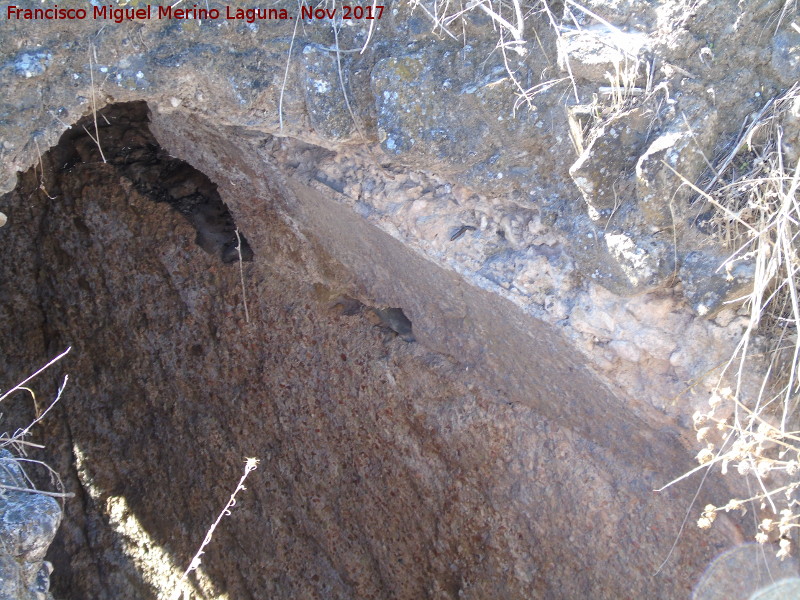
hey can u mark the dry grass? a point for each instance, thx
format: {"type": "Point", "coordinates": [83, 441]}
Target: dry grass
{"type": "Point", "coordinates": [18, 441]}
{"type": "Point", "coordinates": [241, 274]}
{"type": "Point", "coordinates": [250, 465]}
{"type": "Point", "coordinates": [757, 216]}
{"type": "Point", "coordinates": [509, 19]}
{"type": "Point", "coordinates": [96, 137]}
{"type": "Point", "coordinates": [753, 190]}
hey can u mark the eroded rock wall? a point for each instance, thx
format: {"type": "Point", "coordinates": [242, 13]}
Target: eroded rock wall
{"type": "Point", "coordinates": [579, 216]}
{"type": "Point", "coordinates": [563, 293]}
{"type": "Point", "coordinates": [481, 461]}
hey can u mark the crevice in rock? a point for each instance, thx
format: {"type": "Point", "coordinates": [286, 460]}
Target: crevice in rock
{"type": "Point", "coordinates": [395, 320]}
{"type": "Point", "coordinates": [391, 319]}
{"type": "Point", "coordinates": [125, 142]}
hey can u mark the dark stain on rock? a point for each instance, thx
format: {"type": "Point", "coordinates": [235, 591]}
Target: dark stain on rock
{"type": "Point", "coordinates": [128, 146]}
{"type": "Point", "coordinates": [461, 231]}
{"type": "Point", "coordinates": [346, 306]}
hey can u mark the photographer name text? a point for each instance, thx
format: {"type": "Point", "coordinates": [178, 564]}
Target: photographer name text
{"type": "Point", "coordinates": [250, 15]}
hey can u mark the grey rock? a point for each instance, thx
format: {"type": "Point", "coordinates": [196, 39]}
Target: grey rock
{"type": "Point", "coordinates": [28, 524]}
{"type": "Point", "coordinates": [325, 99]}
{"type": "Point", "coordinates": [424, 122]}
{"type": "Point", "coordinates": [604, 170]}
{"type": "Point", "coordinates": [671, 159]}
{"type": "Point", "coordinates": [622, 261]}
{"type": "Point", "coordinates": [656, 182]}
{"type": "Point", "coordinates": [597, 52]}
{"type": "Point", "coordinates": [646, 260]}
{"type": "Point", "coordinates": [786, 55]}
{"type": "Point", "coordinates": [707, 286]}
{"type": "Point", "coordinates": [30, 63]}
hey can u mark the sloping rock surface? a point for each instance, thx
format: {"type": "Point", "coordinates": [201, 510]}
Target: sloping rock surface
{"type": "Point", "coordinates": [482, 460]}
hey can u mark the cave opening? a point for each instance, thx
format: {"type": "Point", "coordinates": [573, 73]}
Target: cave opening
{"type": "Point", "coordinates": [118, 136]}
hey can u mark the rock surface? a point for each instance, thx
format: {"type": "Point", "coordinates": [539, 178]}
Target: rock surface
{"type": "Point", "coordinates": [562, 293]}
{"type": "Point", "coordinates": [473, 462]}
{"type": "Point", "coordinates": [28, 524]}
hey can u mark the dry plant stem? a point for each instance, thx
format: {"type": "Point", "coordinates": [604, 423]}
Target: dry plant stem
{"type": "Point", "coordinates": [742, 140]}
{"type": "Point", "coordinates": [522, 96]}
{"type": "Point", "coordinates": [286, 71]}
{"type": "Point", "coordinates": [697, 143]}
{"type": "Point", "coordinates": [707, 465]}
{"type": "Point", "coordinates": [341, 81]}
{"type": "Point", "coordinates": [54, 476]}
{"type": "Point", "coordinates": [23, 443]}
{"type": "Point", "coordinates": [250, 465]}
{"type": "Point", "coordinates": [785, 10]}
{"type": "Point", "coordinates": [22, 383]}
{"type": "Point", "coordinates": [13, 488]}
{"type": "Point", "coordinates": [758, 213]}
{"type": "Point", "coordinates": [17, 441]}
{"type": "Point", "coordinates": [23, 432]}
{"type": "Point", "coordinates": [516, 31]}
{"type": "Point", "coordinates": [41, 171]}
{"type": "Point", "coordinates": [562, 51]}
{"type": "Point", "coordinates": [683, 524]}
{"type": "Point", "coordinates": [347, 99]}
{"type": "Point", "coordinates": [241, 275]}
{"type": "Point", "coordinates": [595, 16]}
{"type": "Point", "coordinates": [728, 213]}
{"type": "Point", "coordinates": [437, 22]}
{"type": "Point", "coordinates": [790, 209]}
{"type": "Point", "coordinates": [530, 93]}
{"type": "Point", "coordinates": [96, 136]}
{"type": "Point", "coordinates": [371, 29]}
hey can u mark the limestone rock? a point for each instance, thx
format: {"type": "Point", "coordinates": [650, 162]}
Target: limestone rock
{"type": "Point", "coordinates": [786, 55]}
{"type": "Point", "coordinates": [426, 121]}
{"type": "Point", "coordinates": [325, 99]}
{"type": "Point", "coordinates": [670, 160]}
{"type": "Point", "coordinates": [646, 261]}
